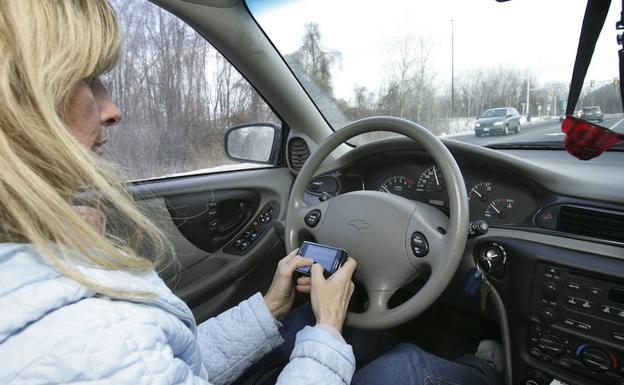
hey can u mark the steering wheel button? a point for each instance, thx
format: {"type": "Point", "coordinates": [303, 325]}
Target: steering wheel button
{"type": "Point", "coordinates": [420, 246]}
{"type": "Point", "coordinates": [312, 218]}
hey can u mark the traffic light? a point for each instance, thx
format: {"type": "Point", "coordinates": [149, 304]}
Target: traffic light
{"type": "Point", "coordinates": [592, 83]}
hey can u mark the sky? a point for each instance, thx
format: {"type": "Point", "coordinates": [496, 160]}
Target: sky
{"type": "Point", "coordinates": [536, 35]}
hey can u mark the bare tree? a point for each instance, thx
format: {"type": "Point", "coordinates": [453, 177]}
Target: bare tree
{"type": "Point", "coordinates": [177, 93]}
{"type": "Point", "coordinates": [315, 59]}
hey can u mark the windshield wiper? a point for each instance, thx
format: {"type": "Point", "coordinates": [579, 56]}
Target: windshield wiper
{"type": "Point", "coordinates": [540, 146]}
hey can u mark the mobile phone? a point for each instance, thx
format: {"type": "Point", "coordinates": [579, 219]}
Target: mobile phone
{"type": "Point", "coordinates": [331, 258]}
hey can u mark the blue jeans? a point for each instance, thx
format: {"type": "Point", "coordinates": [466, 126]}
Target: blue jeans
{"type": "Point", "coordinates": [405, 364]}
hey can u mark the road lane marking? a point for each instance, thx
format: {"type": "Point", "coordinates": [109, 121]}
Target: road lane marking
{"type": "Point", "coordinates": [616, 124]}
{"type": "Point", "coordinates": [556, 134]}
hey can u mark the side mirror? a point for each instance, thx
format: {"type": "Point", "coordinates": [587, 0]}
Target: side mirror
{"type": "Point", "coordinates": [254, 143]}
{"type": "Point", "coordinates": [510, 116]}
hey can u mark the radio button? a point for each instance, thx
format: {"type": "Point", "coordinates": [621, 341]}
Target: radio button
{"type": "Point", "coordinates": [618, 336]}
{"type": "Point", "coordinates": [548, 315]}
{"type": "Point", "coordinates": [577, 324]}
{"type": "Point", "coordinates": [612, 311]}
{"type": "Point", "coordinates": [550, 290]}
{"type": "Point", "coordinates": [574, 286]}
{"type": "Point", "coordinates": [580, 303]}
{"type": "Point", "coordinates": [552, 270]}
{"type": "Point", "coordinates": [596, 292]}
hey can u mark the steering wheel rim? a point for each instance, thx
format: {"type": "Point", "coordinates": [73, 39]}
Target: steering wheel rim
{"type": "Point", "coordinates": [355, 220]}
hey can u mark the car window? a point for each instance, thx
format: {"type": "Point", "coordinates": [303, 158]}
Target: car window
{"type": "Point", "coordinates": [493, 113]}
{"type": "Point", "coordinates": [178, 96]}
{"type": "Point", "coordinates": [436, 63]}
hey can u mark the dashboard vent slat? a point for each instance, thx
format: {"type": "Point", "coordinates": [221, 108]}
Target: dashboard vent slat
{"type": "Point", "coordinates": [592, 222]}
{"type": "Point", "coordinates": [298, 153]}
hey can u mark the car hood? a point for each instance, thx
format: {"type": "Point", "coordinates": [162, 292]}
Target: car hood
{"type": "Point", "coordinates": [490, 121]}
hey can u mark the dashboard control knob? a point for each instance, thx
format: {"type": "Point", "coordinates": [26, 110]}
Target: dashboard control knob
{"type": "Point", "coordinates": [595, 359]}
{"type": "Point", "coordinates": [477, 228]}
{"type": "Point", "coordinates": [537, 378]}
{"type": "Point", "coordinates": [551, 345]}
{"type": "Point", "coordinates": [491, 256]}
{"type": "Point", "coordinates": [548, 315]}
{"type": "Point", "coordinates": [550, 290]}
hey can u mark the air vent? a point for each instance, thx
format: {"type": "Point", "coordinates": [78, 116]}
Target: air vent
{"type": "Point", "coordinates": [592, 222]}
{"type": "Point", "coordinates": [298, 153]}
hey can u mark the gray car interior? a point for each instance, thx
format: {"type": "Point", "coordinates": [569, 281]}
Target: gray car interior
{"type": "Point", "coordinates": [205, 215]}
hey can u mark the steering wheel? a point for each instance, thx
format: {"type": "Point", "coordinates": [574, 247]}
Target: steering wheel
{"type": "Point", "coordinates": [393, 239]}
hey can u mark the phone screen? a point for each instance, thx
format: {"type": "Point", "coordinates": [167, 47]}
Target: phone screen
{"type": "Point", "coordinates": [325, 256]}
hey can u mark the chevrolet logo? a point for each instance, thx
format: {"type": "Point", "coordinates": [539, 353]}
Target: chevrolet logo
{"type": "Point", "coordinates": [359, 224]}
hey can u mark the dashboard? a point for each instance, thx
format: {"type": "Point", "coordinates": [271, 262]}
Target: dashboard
{"type": "Point", "coordinates": [497, 196]}
{"type": "Point", "coordinates": [558, 222]}
{"type": "Point", "coordinates": [493, 197]}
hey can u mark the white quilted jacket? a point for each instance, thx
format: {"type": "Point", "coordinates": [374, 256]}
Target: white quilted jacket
{"type": "Point", "coordinates": [53, 330]}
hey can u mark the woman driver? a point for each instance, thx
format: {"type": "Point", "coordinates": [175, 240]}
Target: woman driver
{"type": "Point", "coordinates": [79, 305]}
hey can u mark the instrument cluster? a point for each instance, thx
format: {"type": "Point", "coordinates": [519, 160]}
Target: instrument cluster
{"type": "Point", "coordinates": [496, 197]}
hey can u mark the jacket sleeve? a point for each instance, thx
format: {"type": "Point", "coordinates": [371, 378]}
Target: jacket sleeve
{"type": "Point", "coordinates": [237, 338]}
{"type": "Point", "coordinates": [318, 358]}
{"type": "Point", "coordinates": [95, 342]}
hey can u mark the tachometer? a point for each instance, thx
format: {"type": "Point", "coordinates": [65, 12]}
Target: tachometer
{"type": "Point", "coordinates": [480, 192]}
{"type": "Point", "coordinates": [398, 185]}
{"type": "Point", "coordinates": [499, 208]}
{"type": "Point", "coordinates": [431, 180]}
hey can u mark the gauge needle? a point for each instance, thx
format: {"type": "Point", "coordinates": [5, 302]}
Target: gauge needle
{"type": "Point", "coordinates": [435, 173]}
{"type": "Point", "coordinates": [385, 189]}
{"type": "Point", "coordinates": [476, 192]}
{"type": "Point", "coordinates": [495, 209]}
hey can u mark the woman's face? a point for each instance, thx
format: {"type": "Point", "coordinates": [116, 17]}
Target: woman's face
{"type": "Point", "coordinates": [89, 114]}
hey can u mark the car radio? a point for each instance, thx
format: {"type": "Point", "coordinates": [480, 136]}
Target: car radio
{"type": "Point", "coordinates": [578, 323]}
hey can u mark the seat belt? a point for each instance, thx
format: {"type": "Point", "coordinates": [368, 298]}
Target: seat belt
{"type": "Point", "coordinates": [593, 21]}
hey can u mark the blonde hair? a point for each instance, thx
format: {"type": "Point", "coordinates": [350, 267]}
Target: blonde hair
{"type": "Point", "coordinates": [47, 48]}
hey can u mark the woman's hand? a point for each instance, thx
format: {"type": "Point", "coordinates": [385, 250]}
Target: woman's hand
{"type": "Point", "coordinates": [281, 294]}
{"type": "Point", "coordinates": [330, 297]}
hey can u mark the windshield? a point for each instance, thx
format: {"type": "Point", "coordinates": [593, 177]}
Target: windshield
{"type": "Point", "coordinates": [493, 113]}
{"type": "Point", "coordinates": [443, 63]}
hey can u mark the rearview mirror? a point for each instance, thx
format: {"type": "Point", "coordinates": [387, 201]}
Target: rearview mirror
{"type": "Point", "coordinates": [255, 143]}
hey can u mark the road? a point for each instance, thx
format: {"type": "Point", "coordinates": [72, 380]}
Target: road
{"type": "Point", "coordinates": [539, 132]}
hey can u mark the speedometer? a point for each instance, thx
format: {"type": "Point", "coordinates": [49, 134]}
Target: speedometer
{"type": "Point", "coordinates": [398, 185]}
{"type": "Point", "coordinates": [431, 180]}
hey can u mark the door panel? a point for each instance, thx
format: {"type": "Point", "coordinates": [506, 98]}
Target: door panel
{"type": "Point", "coordinates": [206, 277]}
{"type": "Point", "coordinates": [210, 219]}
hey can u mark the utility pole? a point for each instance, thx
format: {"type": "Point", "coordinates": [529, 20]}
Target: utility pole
{"type": "Point", "coordinates": [452, 68]}
{"type": "Point", "coordinates": [528, 90]}
{"type": "Point", "coordinates": [554, 104]}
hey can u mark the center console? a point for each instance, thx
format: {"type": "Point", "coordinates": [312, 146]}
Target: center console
{"type": "Point", "coordinates": [577, 323]}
